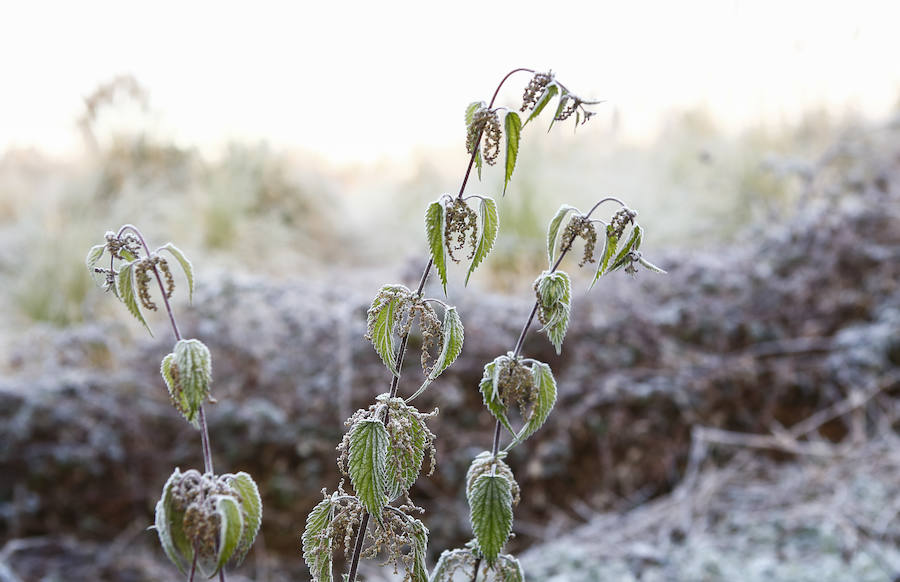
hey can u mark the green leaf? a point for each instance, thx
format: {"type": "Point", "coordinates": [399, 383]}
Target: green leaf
{"type": "Point", "coordinates": [93, 257]}
{"type": "Point", "coordinates": [553, 231]}
{"type": "Point", "coordinates": [563, 98]}
{"type": "Point", "coordinates": [419, 548]}
{"type": "Point", "coordinates": [612, 241]}
{"type": "Point", "coordinates": [554, 300]}
{"type": "Point", "coordinates": [490, 507]}
{"type": "Point", "coordinates": [169, 527]}
{"type": "Point", "coordinates": [380, 320]}
{"type": "Point", "coordinates": [188, 373]}
{"type": "Point", "coordinates": [546, 398]}
{"type": "Point", "coordinates": [434, 230]}
{"type": "Point", "coordinates": [126, 293]}
{"type": "Point", "coordinates": [185, 265]}
{"type": "Point", "coordinates": [490, 226]}
{"type": "Point", "coordinates": [492, 400]}
{"type": "Point", "coordinates": [369, 444]}
{"type": "Point", "coordinates": [316, 542]}
{"type": "Point", "coordinates": [548, 94]}
{"type": "Point", "coordinates": [251, 510]}
{"type": "Point", "coordinates": [633, 244]}
{"type": "Point", "coordinates": [405, 464]}
{"type": "Point", "coordinates": [231, 527]}
{"type": "Point", "coordinates": [453, 336]}
{"type": "Point", "coordinates": [470, 111]}
{"type": "Point", "coordinates": [513, 124]}
{"type": "Point", "coordinates": [485, 463]}
{"type": "Point", "coordinates": [647, 264]}
{"type": "Point", "coordinates": [478, 163]}
{"type": "Point", "coordinates": [509, 569]}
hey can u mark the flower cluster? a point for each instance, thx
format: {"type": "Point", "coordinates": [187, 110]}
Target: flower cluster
{"type": "Point", "coordinates": [535, 89]}
{"type": "Point", "coordinates": [620, 220]}
{"type": "Point", "coordinates": [460, 220]}
{"type": "Point", "coordinates": [581, 226]}
{"type": "Point", "coordinates": [484, 130]}
{"type": "Point", "coordinates": [142, 278]}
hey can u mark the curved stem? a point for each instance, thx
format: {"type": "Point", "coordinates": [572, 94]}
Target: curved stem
{"type": "Point", "coordinates": [607, 199]}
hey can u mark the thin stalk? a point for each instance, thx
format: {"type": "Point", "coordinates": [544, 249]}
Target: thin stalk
{"type": "Point", "coordinates": [395, 379]}
{"type": "Point", "coordinates": [475, 572]}
{"type": "Point", "coordinates": [193, 568]}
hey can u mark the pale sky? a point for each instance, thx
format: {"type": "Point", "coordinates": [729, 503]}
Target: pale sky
{"type": "Point", "coordinates": [356, 81]}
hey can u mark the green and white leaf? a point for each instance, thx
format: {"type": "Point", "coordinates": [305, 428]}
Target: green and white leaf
{"type": "Point", "coordinates": [93, 257]}
{"type": "Point", "coordinates": [127, 295]}
{"type": "Point", "coordinates": [419, 549]}
{"type": "Point", "coordinates": [509, 569]}
{"type": "Point", "coordinates": [470, 111]}
{"type": "Point", "coordinates": [490, 507]}
{"type": "Point", "coordinates": [563, 99]}
{"type": "Point", "coordinates": [231, 526]}
{"type": "Point", "coordinates": [434, 230]}
{"type": "Point", "coordinates": [513, 125]}
{"type": "Point", "coordinates": [316, 542]}
{"type": "Point", "coordinates": [185, 266]}
{"type": "Point", "coordinates": [647, 264]}
{"type": "Point", "coordinates": [553, 231]}
{"type": "Point", "coordinates": [452, 344]}
{"type": "Point", "coordinates": [633, 244]}
{"type": "Point", "coordinates": [478, 163]}
{"type": "Point", "coordinates": [485, 463]}
{"type": "Point", "coordinates": [381, 323]}
{"type": "Point", "coordinates": [549, 93]}
{"type": "Point", "coordinates": [368, 464]}
{"type": "Point", "coordinates": [251, 510]}
{"type": "Point", "coordinates": [609, 249]}
{"type": "Point", "coordinates": [404, 465]}
{"type": "Point", "coordinates": [191, 382]}
{"type": "Point", "coordinates": [546, 398]}
{"type": "Point", "coordinates": [490, 226]}
{"type": "Point", "coordinates": [555, 295]}
{"type": "Point", "coordinates": [449, 562]}
{"type": "Point", "coordinates": [169, 527]}
{"type": "Point", "coordinates": [490, 394]}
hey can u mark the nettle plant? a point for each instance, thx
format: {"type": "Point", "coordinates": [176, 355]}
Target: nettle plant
{"type": "Point", "coordinates": [204, 520]}
{"type": "Point", "coordinates": [384, 449]}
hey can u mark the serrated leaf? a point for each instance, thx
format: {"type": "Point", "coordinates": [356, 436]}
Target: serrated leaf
{"type": "Point", "coordinates": [553, 231]}
{"type": "Point", "coordinates": [367, 465]}
{"type": "Point", "coordinates": [490, 511]}
{"type": "Point", "coordinates": [543, 404]}
{"type": "Point", "coordinates": [633, 244]}
{"type": "Point", "coordinates": [452, 344]}
{"type": "Point", "coordinates": [485, 463]}
{"type": "Point", "coordinates": [169, 527]}
{"type": "Point", "coordinates": [404, 465]}
{"type": "Point", "coordinates": [188, 373]}
{"type": "Point", "coordinates": [419, 549]}
{"type": "Point", "coordinates": [185, 266]}
{"type": "Point", "coordinates": [434, 230]}
{"type": "Point", "coordinates": [513, 124]}
{"type": "Point", "coordinates": [93, 257]}
{"type": "Point", "coordinates": [231, 527]}
{"type": "Point", "coordinates": [548, 94]}
{"type": "Point", "coordinates": [489, 393]}
{"type": "Point", "coordinates": [448, 562]}
{"type": "Point", "coordinates": [126, 293]}
{"type": "Point", "coordinates": [554, 300]}
{"type": "Point", "coordinates": [317, 554]}
{"type": "Point", "coordinates": [651, 266]}
{"type": "Point", "coordinates": [563, 98]}
{"type": "Point", "coordinates": [251, 510]}
{"type": "Point", "coordinates": [609, 249]}
{"type": "Point", "coordinates": [381, 322]}
{"type": "Point", "coordinates": [490, 226]}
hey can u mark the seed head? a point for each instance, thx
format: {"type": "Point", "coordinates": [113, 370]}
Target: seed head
{"type": "Point", "coordinates": [461, 219]}
{"type": "Point", "coordinates": [581, 226]}
{"type": "Point", "coordinates": [534, 89]}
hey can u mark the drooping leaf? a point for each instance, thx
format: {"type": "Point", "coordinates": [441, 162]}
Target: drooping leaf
{"type": "Point", "coordinates": [471, 109]}
{"type": "Point", "coordinates": [434, 230]}
{"type": "Point", "coordinates": [231, 527]}
{"type": "Point", "coordinates": [647, 264]}
{"type": "Point", "coordinates": [405, 464]}
{"type": "Point", "coordinates": [367, 465]}
{"type": "Point", "coordinates": [563, 99]}
{"type": "Point", "coordinates": [185, 265]}
{"type": "Point", "coordinates": [553, 231]}
{"type": "Point", "coordinates": [554, 300]}
{"type": "Point", "coordinates": [612, 242]}
{"type": "Point", "coordinates": [549, 92]}
{"type": "Point", "coordinates": [490, 226]}
{"type": "Point", "coordinates": [452, 344]}
{"type": "Point", "coordinates": [490, 393]}
{"type": "Point", "coordinates": [126, 293]}
{"type": "Point", "coordinates": [508, 569]}
{"type": "Point", "coordinates": [93, 257]}
{"type": "Point", "coordinates": [188, 373]}
{"type": "Point", "coordinates": [478, 163]}
{"type": "Point", "coordinates": [490, 511]}
{"type": "Point", "coordinates": [251, 510]}
{"type": "Point", "coordinates": [513, 124]}
{"type": "Point", "coordinates": [316, 545]}
{"type": "Point", "coordinates": [633, 244]}
{"type": "Point", "coordinates": [543, 404]}
{"type": "Point", "coordinates": [169, 527]}
{"type": "Point", "coordinates": [380, 322]}
{"type": "Point", "coordinates": [419, 549]}
{"type": "Point", "coordinates": [449, 562]}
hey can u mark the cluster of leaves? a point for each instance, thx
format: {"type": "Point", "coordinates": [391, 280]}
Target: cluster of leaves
{"type": "Point", "coordinates": [187, 372]}
{"type": "Point", "coordinates": [208, 519]}
{"type": "Point", "coordinates": [447, 217]}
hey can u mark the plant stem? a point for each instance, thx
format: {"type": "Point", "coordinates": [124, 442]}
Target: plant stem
{"type": "Point", "coordinates": [395, 379]}
{"type": "Point", "coordinates": [475, 572]}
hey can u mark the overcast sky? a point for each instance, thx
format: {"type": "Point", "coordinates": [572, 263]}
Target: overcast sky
{"type": "Point", "coordinates": [358, 81]}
